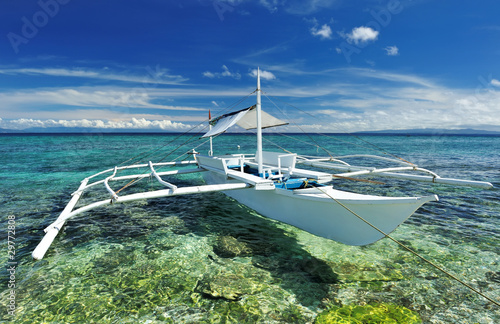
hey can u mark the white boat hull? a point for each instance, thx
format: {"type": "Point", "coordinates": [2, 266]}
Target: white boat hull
{"type": "Point", "coordinates": [345, 217]}
{"type": "Point", "coordinates": [316, 212]}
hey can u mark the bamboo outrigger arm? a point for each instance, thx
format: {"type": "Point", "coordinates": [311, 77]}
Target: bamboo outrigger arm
{"type": "Point", "coordinates": [69, 211]}
{"type": "Point", "coordinates": [390, 172]}
{"type": "Point", "coordinates": [52, 230]}
{"type": "Point", "coordinates": [239, 180]}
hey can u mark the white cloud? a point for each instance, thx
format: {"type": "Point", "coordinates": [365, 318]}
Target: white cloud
{"type": "Point", "coordinates": [495, 82]}
{"type": "Point", "coordinates": [307, 7]}
{"type": "Point", "coordinates": [266, 75]}
{"type": "Point", "coordinates": [271, 5]}
{"type": "Point", "coordinates": [296, 7]}
{"type": "Point", "coordinates": [325, 32]}
{"type": "Point", "coordinates": [131, 98]}
{"type": "Point", "coordinates": [361, 35]}
{"type": "Point", "coordinates": [208, 74]}
{"type": "Point", "coordinates": [115, 114]}
{"type": "Point", "coordinates": [394, 107]}
{"type": "Point", "coordinates": [389, 76]}
{"type": "Point", "coordinates": [390, 101]}
{"type": "Point", "coordinates": [392, 50]}
{"type": "Point", "coordinates": [134, 123]}
{"type": "Point", "coordinates": [148, 75]}
{"type": "Point", "coordinates": [225, 73]}
{"type": "Point", "coordinates": [233, 2]}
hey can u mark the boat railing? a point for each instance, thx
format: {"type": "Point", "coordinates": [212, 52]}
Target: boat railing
{"type": "Point", "coordinates": [69, 211]}
{"type": "Point", "coordinates": [276, 165]}
{"type": "Point", "coordinates": [144, 174]}
{"type": "Point", "coordinates": [339, 159]}
{"type": "Point", "coordinates": [160, 180]}
{"type": "Point", "coordinates": [108, 188]}
{"type": "Point", "coordinates": [310, 158]}
{"type": "Point", "coordinates": [390, 172]}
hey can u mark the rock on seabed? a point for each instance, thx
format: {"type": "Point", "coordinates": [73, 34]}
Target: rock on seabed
{"type": "Point", "coordinates": [376, 313]}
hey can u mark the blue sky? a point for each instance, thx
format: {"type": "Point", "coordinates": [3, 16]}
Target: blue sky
{"type": "Point", "coordinates": [160, 64]}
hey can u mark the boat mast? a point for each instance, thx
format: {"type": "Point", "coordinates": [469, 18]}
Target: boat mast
{"type": "Point", "coordinates": [259, 125]}
{"type": "Point", "coordinates": [211, 152]}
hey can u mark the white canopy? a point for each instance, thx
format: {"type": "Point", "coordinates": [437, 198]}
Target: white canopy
{"type": "Point", "coordinates": [246, 118]}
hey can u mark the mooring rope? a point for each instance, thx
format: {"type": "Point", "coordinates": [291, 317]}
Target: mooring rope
{"type": "Point", "coordinates": [377, 148]}
{"type": "Point", "coordinates": [143, 155]}
{"type": "Point", "coordinates": [411, 251]}
{"type": "Point", "coordinates": [333, 175]}
{"type": "Point", "coordinates": [133, 181]}
{"type": "Point", "coordinates": [375, 227]}
{"type": "Point", "coordinates": [296, 125]}
{"type": "Point", "coordinates": [330, 196]}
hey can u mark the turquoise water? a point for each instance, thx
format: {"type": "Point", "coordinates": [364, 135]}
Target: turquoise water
{"type": "Point", "coordinates": [207, 259]}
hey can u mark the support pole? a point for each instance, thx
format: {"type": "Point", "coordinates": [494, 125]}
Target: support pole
{"type": "Point", "coordinates": [52, 231]}
{"type": "Point", "coordinates": [211, 152]}
{"type": "Point", "coordinates": [259, 125]}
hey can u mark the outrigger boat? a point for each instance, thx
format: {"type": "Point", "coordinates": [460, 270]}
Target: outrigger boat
{"type": "Point", "coordinates": [272, 184]}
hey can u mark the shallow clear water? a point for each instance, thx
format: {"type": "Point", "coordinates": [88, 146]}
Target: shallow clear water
{"type": "Point", "coordinates": [208, 259]}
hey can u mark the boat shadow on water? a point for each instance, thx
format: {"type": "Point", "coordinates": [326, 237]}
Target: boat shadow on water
{"type": "Point", "coordinates": [244, 236]}
{"type": "Point", "coordinates": [172, 258]}
{"type": "Point", "coordinates": [198, 256]}
{"type": "Point", "coordinates": [247, 254]}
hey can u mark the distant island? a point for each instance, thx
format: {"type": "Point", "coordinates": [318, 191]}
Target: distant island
{"type": "Point", "coordinates": [431, 131]}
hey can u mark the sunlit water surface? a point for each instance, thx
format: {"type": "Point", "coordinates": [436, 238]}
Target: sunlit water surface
{"type": "Point", "coordinates": [208, 259]}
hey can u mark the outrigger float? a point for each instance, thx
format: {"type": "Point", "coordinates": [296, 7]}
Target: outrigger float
{"type": "Point", "coordinates": [272, 184]}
